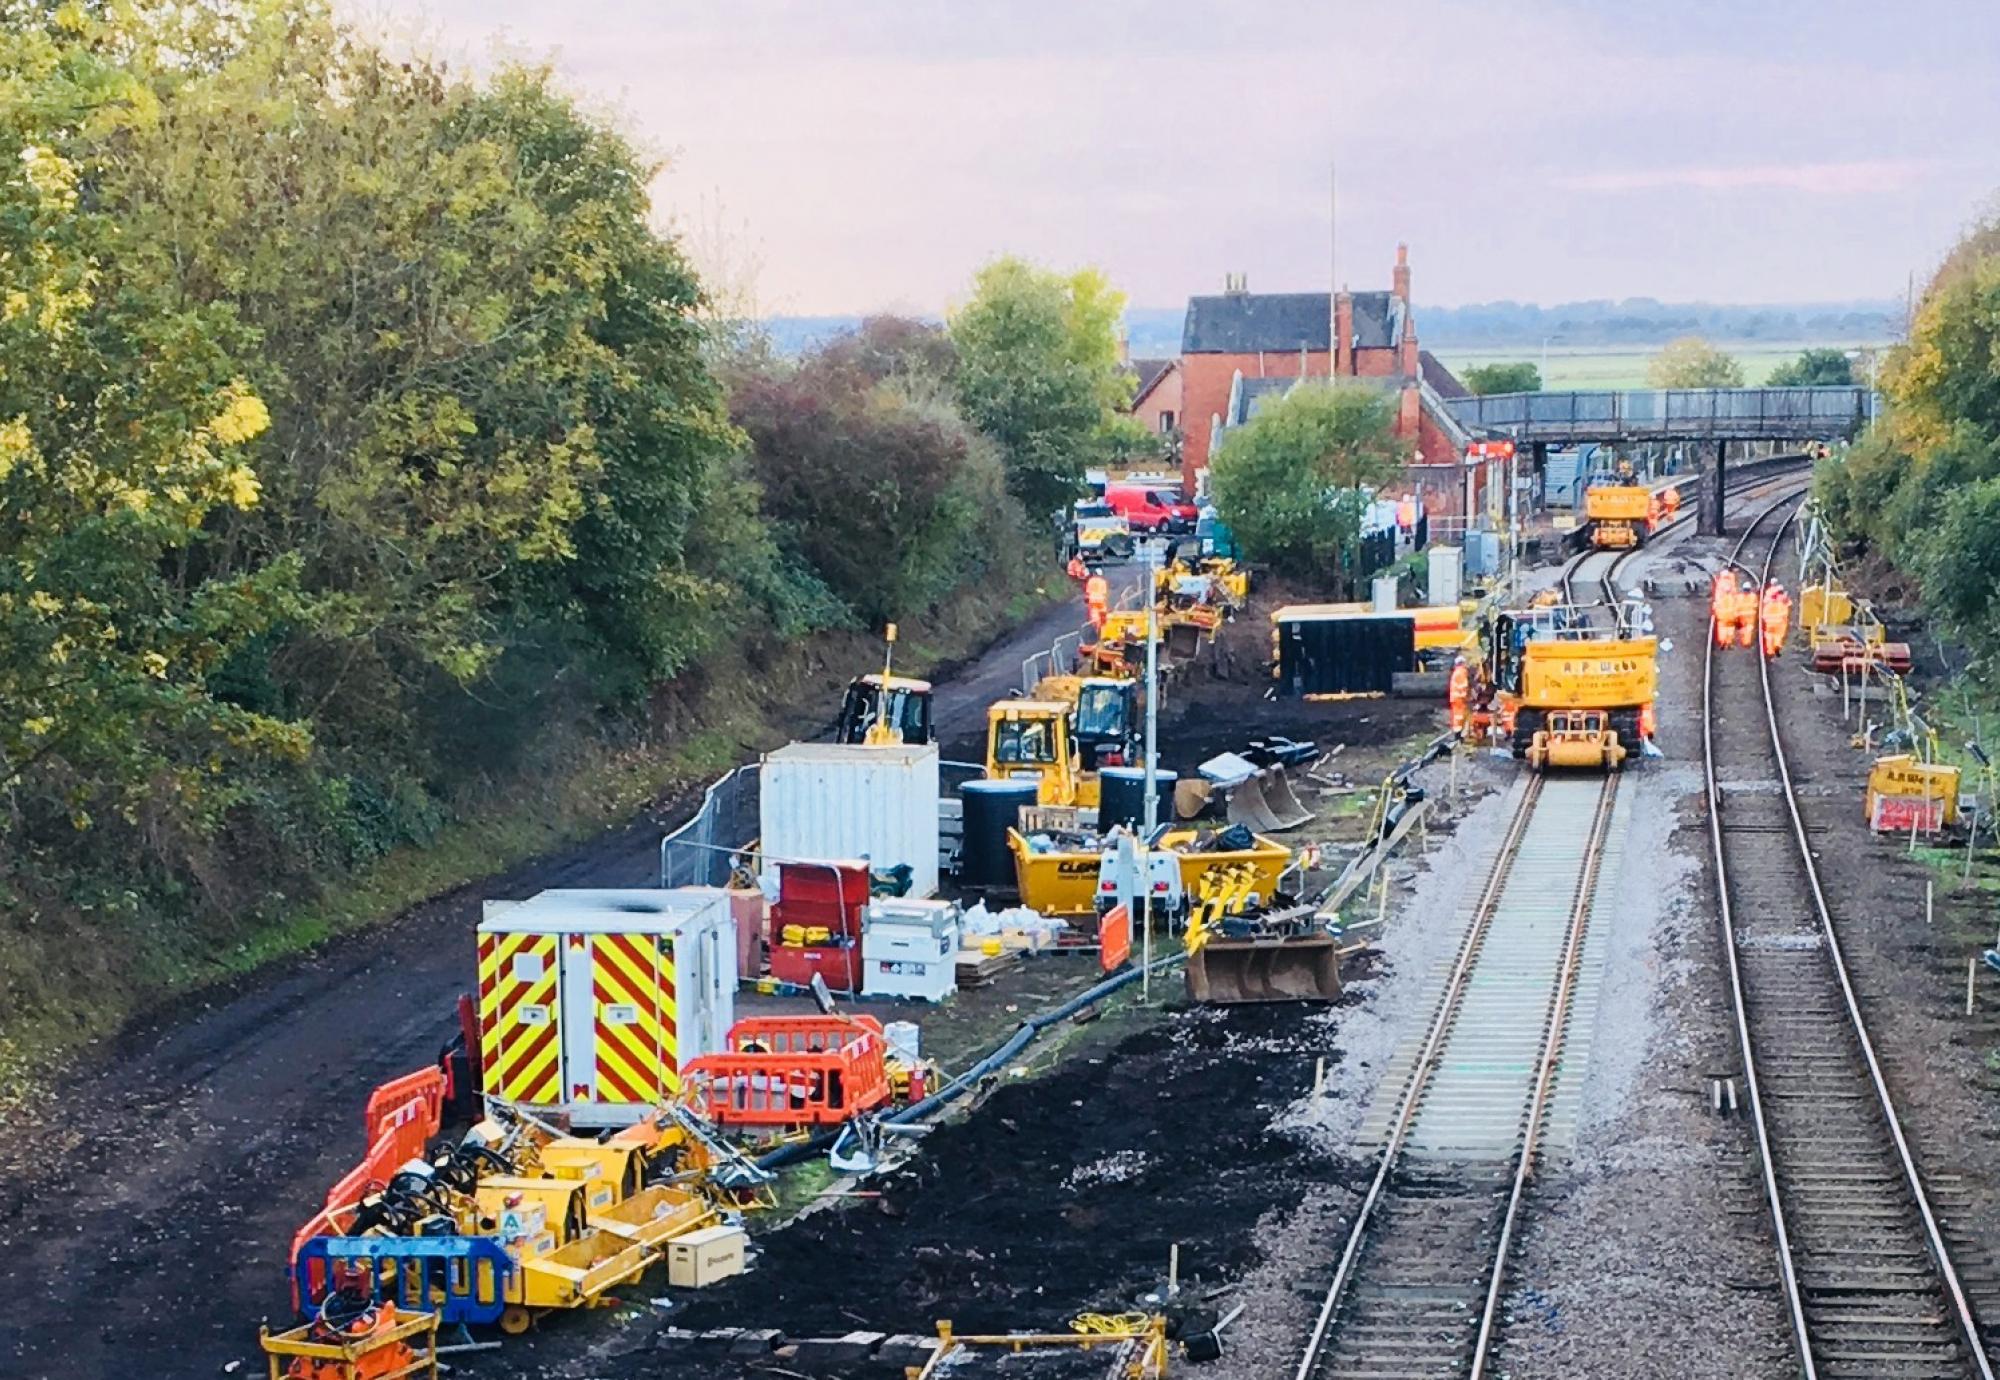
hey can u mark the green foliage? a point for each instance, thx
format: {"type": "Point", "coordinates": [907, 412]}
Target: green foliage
{"type": "Point", "coordinates": [1691, 362]}
{"type": "Point", "coordinates": [359, 456]}
{"type": "Point", "coordinates": [1039, 373]}
{"type": "Point", "coordinates": [870, 475]}
{"type": "Point", "coordinates": [1518, 377]}
{"type": "Point", "coordinates": [1289, 482]}
{"type": "Point", "coordinates": [1812, 369]}
{"type": "Point", "coordinates": [1924, 487]}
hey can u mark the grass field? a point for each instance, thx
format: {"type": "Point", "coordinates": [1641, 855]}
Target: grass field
{"type": "Point", "coordinates": [1618, 367]}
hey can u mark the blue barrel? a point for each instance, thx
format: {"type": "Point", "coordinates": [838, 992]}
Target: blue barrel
{"type": "Point", "coordinates": [1121, 796]}
{"type": "Point", "coordinates": [991, 808]}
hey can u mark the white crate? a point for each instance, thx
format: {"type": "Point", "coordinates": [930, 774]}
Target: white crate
{"type": "Point", "coordinates": [888, 977]}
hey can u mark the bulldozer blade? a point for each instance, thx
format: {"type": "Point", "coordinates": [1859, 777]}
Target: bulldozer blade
{"type": "Point", "coordinates": [1227, 972]}
{"type": "Point", "coordinates": [1248, 808]}
{"type": "Point", "coordinates": [1282, 802]}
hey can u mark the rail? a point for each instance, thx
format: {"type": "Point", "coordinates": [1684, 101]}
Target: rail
{"type": "Point", "coordinates": [1798, 1297]}
{"type": "Point", "coordinates": [1418, 1091]}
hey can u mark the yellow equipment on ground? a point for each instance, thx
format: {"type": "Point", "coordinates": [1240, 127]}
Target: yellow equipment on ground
{"type": "Point", "coordinates": [562, 1261]}
{"type": "Point", "coordinates": [1904, 792]}
{"type": "Point", "coordinates": [383, 1344]}
{"type": "Point", "coordinates": [1619, 514]}
{"type": "Point", "coordinates": [1031, 738]}
{"type": "Point", "coordinates": [1239, 952]}
{"type": "Point", "coordinates": [1103, 716]}
{"type": "Point", "coordinates": [885, 709]}
{"type": "Point", "coordinates": [616, 1198]}
{"type": "Point", "coordinates": [1571, 687]}
{"type": "Point", "coordinates": [1137, 1343]}
{"type": "Point", "coordinates": [1067, 880]}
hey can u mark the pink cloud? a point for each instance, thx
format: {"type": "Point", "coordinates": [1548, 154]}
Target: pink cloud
{"type": "Point", "coordinates": [1825, 179]}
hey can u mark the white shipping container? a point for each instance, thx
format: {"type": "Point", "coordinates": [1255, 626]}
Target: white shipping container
{"type": "Point", "coordinates": [829, 800]}
{"type": "Point", "coordinates": [591, 1001]}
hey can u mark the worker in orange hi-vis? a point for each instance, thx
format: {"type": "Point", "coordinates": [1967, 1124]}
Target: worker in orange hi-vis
{"type": "Point", "coordinates": [1460, 694]}
{"type": "Point", "coordinates": [1077, 570]}
{"type": "Point", "coordinates": [1656, 513]}
{"type": "Point", "coordinates": [1776, 616]}
{"type": "Point", "coordinates": [1097, 599]}
{"type": "Point", "coordinates": [1671, 501]}
{"type": "Point", "coordinates": [1745, 621]}
{"type": "Point", "coordinates": [1721, 604]}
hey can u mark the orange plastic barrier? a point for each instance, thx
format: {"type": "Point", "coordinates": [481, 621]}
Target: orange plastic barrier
{"type": "Point", "coordinates": [792, 1071]}
{"type": "Point", "coordinates": [1114, 938]}
{"type": "Point", "coordinates": [402, 1116]}
{"type": "Point", "coordinates": [423, 1090]}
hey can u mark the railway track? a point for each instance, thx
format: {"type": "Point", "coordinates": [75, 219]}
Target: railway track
{"type": "Point", "coordinates": [1869, 1282]}
{"type": "Point", "coordinates": [1417, 1290]}
{"type": "Point", "coordinates": [1777, 476]}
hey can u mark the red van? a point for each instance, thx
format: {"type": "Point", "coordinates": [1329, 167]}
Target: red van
{"type": "Point", "coordinates": [1148, 509]}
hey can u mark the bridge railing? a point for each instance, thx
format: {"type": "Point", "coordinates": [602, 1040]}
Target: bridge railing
{"type": "Point", "coordinates": [1669, 413]}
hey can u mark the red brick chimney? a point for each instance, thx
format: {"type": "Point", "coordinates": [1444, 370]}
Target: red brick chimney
{"type": "Point", "coordinates": [1409, 415]}
{"type": "Point", "coordinates": [1409, 362]}
{"type": "Point", "coordinates": [1343, 335]}
{"type": "Point", "coordinates": [1400, 284]}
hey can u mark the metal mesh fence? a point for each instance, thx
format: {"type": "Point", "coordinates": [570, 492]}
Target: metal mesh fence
{"type": "Point", "coordinates": [700, 852]}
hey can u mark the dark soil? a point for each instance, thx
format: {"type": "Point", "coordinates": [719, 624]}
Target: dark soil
{"type": "Point", "coordinates": [144, 1229]}
{"type": "Point", "coordinates": [1057, 1197]}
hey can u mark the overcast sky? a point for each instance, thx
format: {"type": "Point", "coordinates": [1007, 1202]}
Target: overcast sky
{"type": "Point", "coordinates": [869, 154]}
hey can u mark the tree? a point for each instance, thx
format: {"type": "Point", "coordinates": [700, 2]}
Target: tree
{"type": "Point", "coordinates": [1289, 481]}
{"type": "Point", "coordinates": [1813, 369]}
{"type": "Point", "coordinates": [1924, 486]}
{"type": "Point", "coordinates": [1039, 373]}
{"type": "Point", "coordinates": [869, 473]}
{"type": "Point", "coordinates": [127, 435]}
{"type": "Point", "coordinates": [1518, 377]}
{"type": "Point", "coordinates": [1691, 362]}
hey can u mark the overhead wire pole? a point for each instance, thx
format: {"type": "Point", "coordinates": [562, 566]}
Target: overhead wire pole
{"type": "Point", "coordinates": [1151, 812]}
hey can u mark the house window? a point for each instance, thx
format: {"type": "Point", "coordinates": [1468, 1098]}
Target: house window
{"type": "Point", "coordinates": [1166, 422]}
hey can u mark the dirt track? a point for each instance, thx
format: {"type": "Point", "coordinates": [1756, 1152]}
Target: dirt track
{"type": "Point", "coordinates": [150, 1243]}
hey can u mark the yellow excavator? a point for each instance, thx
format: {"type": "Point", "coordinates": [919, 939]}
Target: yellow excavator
{"type": "Point", "coordinates": [886, 709]}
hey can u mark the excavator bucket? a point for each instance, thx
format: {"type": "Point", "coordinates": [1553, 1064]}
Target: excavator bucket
{"type": "Point", "coordinates": [1227, 972]}
{"type": "Point", "coordinates": [1248, 807]}
{"type": "Point", "coordinates": [1282, 802]}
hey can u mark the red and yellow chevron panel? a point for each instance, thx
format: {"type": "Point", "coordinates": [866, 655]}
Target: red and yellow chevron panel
{"type": "Point", "coordinates": [519, 1038]}
{"type": "Point", "coordinates": [633, 997]}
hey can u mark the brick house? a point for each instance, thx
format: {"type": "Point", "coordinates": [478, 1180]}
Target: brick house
{"type": "Point", "coordinates": [1289, 335]}
{"type": "Point", "coordinates": [1156, 400]}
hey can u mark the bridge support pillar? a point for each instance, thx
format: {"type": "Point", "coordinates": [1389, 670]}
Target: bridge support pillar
{"type": "Point", "coordinates": [1710, 520]}
{"type": "Point", "coordinates": [1540, 453]}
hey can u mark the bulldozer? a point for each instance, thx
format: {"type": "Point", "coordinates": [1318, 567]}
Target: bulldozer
{"type": "Point", "coordinates": [885, 709]}
{"type": "Point", "coordinates": [1103, 714]}
{"type": "Point", "coordinates": [1571, 686]}
{"type": "Point", "coordinates": [1032, 738]}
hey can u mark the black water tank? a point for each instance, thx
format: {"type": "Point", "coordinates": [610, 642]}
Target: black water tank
{"type": "Point", "coordinates": [991, 809]}
{"type": "Point", "coordinates": [1122, 796]}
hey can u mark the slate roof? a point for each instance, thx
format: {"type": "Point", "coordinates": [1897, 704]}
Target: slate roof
{"type": "Point", "coordinates": [1378, 320]}
{"type": "Point", "coordinates": [1150, 372]}
{"type": "Point", "coordinates": [1239, 323]}
{"type": "Point", "coordinates": [1242, 323]}
{"type": "Point", "coordinates": [1442, 380]}
{"type": "Point", "coordinates": [1252, 394]}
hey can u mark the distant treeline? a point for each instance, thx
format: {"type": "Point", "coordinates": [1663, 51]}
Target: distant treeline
{"type": "Point", "coordinates": [1640, 321]}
